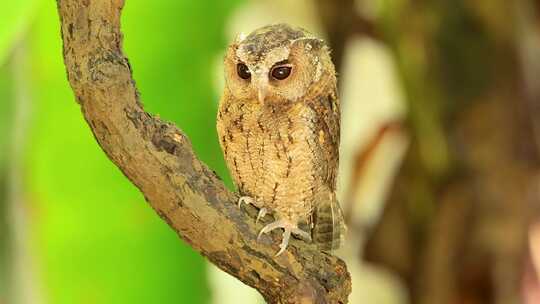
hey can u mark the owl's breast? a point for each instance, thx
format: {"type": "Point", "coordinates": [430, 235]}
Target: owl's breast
{"type": "Point", "coordinates": [274, 155]}
{"type": "Point", "coordinates": [240, 137]}
{"type": "Point", "coordinates": [292, 164]}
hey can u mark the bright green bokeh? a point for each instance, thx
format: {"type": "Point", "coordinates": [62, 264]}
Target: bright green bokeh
{"type": "Point", "coordinates": [173, 47]}
{"type": "Point", "coordinates": [14, 17]}
{"type": "Point", "coordinates": [5, 130]}
{"type": "Point", "coordinates": [6, 94]}
{"type": "Point", "coordinates": [96, 239]}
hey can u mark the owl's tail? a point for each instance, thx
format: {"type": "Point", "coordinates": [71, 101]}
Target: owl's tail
{"type": "Point", "coordinates": [328, 225]}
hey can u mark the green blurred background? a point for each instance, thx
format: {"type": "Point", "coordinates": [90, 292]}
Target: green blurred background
{"type": "Point", "coordinates": [95, 238]}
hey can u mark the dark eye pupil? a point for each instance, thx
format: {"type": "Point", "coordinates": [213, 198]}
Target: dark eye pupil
{"type": "Point", "coordinates": [281, 73]}
{"type": "Point", "coordinates": [243, 71]}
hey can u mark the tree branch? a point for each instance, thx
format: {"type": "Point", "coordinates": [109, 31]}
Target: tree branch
{"type": "Point", "coordinates": [158, 158]}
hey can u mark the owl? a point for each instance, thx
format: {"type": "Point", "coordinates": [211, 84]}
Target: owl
{"type": "Point", "coordinates": [278, 125]}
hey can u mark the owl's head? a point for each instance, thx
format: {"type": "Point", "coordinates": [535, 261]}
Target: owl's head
{"type": "Point", "coordinates": [277, 63]}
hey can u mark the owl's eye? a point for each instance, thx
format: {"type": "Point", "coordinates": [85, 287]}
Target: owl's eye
{"type": "Point", "coordinates": [281, 72]}
{"type": "Point", "coordinates": [243, 71]}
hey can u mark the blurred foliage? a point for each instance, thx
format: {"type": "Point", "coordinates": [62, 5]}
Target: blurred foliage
{"type": "Point", "coordinates": [94, 237]}
{"type": "Point", "coordinates": [5, 112]}
{"type": "Point", "coordinates": [5, 119]}
{"type": "Point", "coordinates": [173, 47]}
{"type": "Point", "coordinates": [14, 16]}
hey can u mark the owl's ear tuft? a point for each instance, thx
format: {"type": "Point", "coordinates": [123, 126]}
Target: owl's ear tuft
{"type": "Point", "coordinates": [310, 43]}
{"type": "Point", "coordinates": [240, 37]}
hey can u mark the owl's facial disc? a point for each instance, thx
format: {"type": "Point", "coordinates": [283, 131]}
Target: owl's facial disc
{"type": "Point", "coordinates": [267, 70]}
{"type": "Point", "coordinates": [267, 79]}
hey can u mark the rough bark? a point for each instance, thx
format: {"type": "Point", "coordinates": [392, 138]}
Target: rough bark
{"type": "Point", "coordinates": [157, 157]}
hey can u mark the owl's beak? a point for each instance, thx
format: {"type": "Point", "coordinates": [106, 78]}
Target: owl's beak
{"type": "Point", "coordinates": [262, 88]}
{"type": "Point", "coordinates": [262, 94]}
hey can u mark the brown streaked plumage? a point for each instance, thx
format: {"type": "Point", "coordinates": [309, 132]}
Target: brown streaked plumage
{"type": "Point", "coordinates": [278, 126]}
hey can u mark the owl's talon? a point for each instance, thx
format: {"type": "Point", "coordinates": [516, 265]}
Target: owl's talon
{"type": "Point", "coordinates": [288, 228]}
{"type": "Point", "coordinates": [304, 235]}
{"type": "Point", "coordinates": [245, 200]}
{"type": "Point", "coordinates": [248, 200]}
{"type": "Point", "coordinates": [268, 228]}
{"type": "Point", "coordinates": [262, 213]}
{"type": "Point", "coordinates": [285, 241]}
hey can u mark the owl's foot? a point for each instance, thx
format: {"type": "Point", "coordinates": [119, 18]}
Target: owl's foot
{"type": "Point", "coordinates": [262, 213]}
{"type": "Point", "coordinates": [288, 228]}
{"type": "Point", "coordinates": [246, 200]}
{"type": "Point", "coordinates": [249, 200]}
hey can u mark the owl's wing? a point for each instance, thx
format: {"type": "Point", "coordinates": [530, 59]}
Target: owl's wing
{"type": "Point", "coordinates": [328, 223]}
